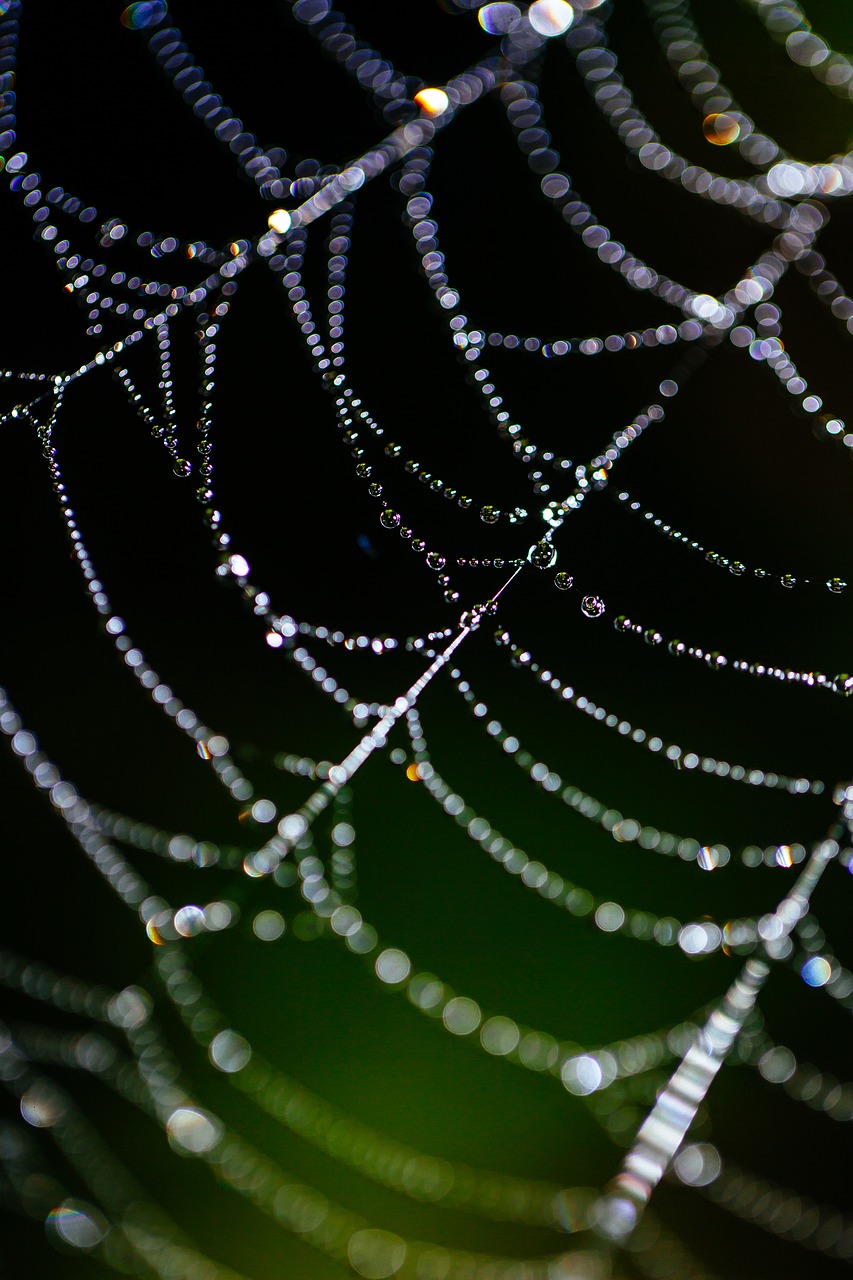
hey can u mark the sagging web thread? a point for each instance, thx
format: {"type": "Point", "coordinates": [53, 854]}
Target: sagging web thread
{"type": "Point", "coordinates": [119, 1224]}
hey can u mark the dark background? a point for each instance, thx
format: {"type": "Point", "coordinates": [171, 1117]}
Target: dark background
{"type": "Point", "coordinates": [732, 465]}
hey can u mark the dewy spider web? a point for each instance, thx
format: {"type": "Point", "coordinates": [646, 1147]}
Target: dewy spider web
{"type": "Point", "coordinates": [399, 884]}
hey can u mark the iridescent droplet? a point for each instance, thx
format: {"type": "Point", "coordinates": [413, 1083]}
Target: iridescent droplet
{"type": "Point", "coordinates": [435, 561]}
{"type": "Point", "coordinates": [181, 467]}
{"type": "Point", "coordinates": [563, 581]}
{"type": "Point", "coordinates": [844, 684]}
{"type": "Point", "coordinates": [592, 606]}
{"type": "Point", "coordinates": [389, 519]}
{"type": "Point", "coordinates": [836, 585]}
{"type": "Point", "coordinates": [489, 515]}
{"type": "Point", "coordinates": [788, 580]}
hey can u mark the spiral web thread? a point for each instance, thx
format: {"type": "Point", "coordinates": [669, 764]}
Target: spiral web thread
{"type": "Point", "coordinates": [123, 1046]}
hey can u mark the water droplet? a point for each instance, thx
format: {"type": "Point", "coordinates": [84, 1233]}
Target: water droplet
{"type": "Point", "coordinates": [788, 580]}
{"type": "Point", "coordinates": [564, 581]}
{"type": "Point", "coordinates": [592, 606]}
{"type": "Point", "coordinates": [389, 519]}
{"type": "Point", "coordinates": [836, 585]}
{"type": "Point", "coordinates": [652, 637]}
{"type": "Point", "coordinates": [181, 467]}
{"type": "Point", "coordinates": [489, 515]}
{"type": "Point", "coordinates": [844, 684]}
{"type": "Point", "coordinates": [363, 470]}
{"type": "Point", "coordinates": [542, 555]}
{"type": "Point", "coordinates": [435, 561]}
{"type": "Point", "coordinates": [464, 502]}
{"type": "Point", "coordinates": [451, 597]}
{"type": "Point", "coordinates": [737, 568]}
{"type": "Point", "coordinates": [375, 490]}
{"type": "Point", "coordinates": [760, 573]}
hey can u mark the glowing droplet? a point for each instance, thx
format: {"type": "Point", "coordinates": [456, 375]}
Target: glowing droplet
{"type": "Point", "coordinates": [280, 221]}
{"type": "Point", "coordinates": [816, 971]}
{"type": "Point", "coordinates": [433, 102]}
{"type": "Point", "coordinates": [497, 18]}
{"type": "Point", "coordinates": [550, 17]}
{"type": "Point", "coordinates": [720, 129]}
{"type": "Point", "coordinates": [192, 1130]}
{"type": "Point", "coordinates": [229, 1051]}
{"type": "Point", "coordinates": [75, 1222]}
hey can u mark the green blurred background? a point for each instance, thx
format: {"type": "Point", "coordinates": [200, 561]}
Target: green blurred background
{"type": "Point", "coordinates": [732, 466]}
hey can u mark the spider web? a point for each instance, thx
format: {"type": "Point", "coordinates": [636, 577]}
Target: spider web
{"type": "Point", "coordinates": [388, 935]}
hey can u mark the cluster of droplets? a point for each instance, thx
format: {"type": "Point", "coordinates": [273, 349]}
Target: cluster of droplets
{"type": "Point", "coordinates": [623, 830]}
{"type": "Point", "coordinates": [736, 567]}
{"type": "Point", "coordinates": [676, 755]}
{"type": "Point", "coordinates": [695, 938]}
{"type": "Point", "coordinates": [786, 22]}
{"type": "Point", "coordinates": [842, 683]}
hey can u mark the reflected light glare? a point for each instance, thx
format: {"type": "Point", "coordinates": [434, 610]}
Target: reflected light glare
{"type": "Point", "coordinates": [76, 1223]}
{"type": "Point", "coordinates": [279, 220]}
{"type": "Point", "coordinates": [551, 17]}
{"type": "Point", "coordinates": [433, 102]}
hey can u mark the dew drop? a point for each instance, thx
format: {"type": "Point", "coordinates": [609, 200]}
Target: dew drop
{"type": "Point", "coordinates": [592, 606]}
{"type": "Point", "coordinates": [542, 554]}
